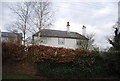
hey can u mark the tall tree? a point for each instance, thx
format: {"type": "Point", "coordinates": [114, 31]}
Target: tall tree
{"type": "Point", "coordinates": [23, 12]}
{"type": "Point", "coordinates": [32, 17]}
{"type": "Point", "coordinates": [115, 42]}
{"type": "Point", "coordinates": [42, 16]}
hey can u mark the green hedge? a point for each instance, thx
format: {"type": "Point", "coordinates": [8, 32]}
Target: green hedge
{"type": "Point", "coordinates": [106, 65]}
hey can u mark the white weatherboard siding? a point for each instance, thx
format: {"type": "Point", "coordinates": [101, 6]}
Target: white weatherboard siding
{"type": "Point", "coordinates": [53, 41]}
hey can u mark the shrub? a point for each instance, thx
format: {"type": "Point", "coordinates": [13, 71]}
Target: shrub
{"type": "Point", "coordinates": [13, 52]}
{"type": "Point", "coordinates": [107, 65]}
{"type": "Point", "coordinates": [64, 63]}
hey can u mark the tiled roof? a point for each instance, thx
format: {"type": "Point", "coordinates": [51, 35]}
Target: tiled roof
{"type": "Point", "coordinates": [61, 34]}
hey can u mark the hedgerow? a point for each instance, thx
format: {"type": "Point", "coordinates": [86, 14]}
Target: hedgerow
{"type": "Point", "coordinates": [58, 63]}
{"type": "Point", "coordinates": [40, 53]}
{"type": "Point", "coordinates": [13, 52]}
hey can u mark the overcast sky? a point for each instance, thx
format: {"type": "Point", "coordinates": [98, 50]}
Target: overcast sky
{"type": "Point", "coordinates": [97, 15]}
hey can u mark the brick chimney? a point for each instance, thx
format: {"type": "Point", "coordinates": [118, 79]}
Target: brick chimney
{"type": "Point", "coordinates": [68, 27]}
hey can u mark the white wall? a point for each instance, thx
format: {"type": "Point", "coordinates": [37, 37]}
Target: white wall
{"type": "Point", "coordinates": [82, 44]}
{"type": "Point", "coordinates": [53, 41]}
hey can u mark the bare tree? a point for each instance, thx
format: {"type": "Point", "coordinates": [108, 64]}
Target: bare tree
{"type": "Point", "coordinates": [91, 41]}
{"type": "Point", "coordinates": [23, 12]}
{"type": "Point", "coordinates": [87, 44]}
{"type": "Point", "coordinates": [31, 17]}
{"type": "Point", "coordinates": [42, 16]}
{"type": "Point", "coordinates": [82, 44]}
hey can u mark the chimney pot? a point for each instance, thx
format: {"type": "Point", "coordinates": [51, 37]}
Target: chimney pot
{"type": "Point", "coordinates": [68, 27]}
{"type": "Point", "coordinates": [84, 30]}
{"type": "Point", "coordinates": [68, 24]}
{"type": "Point", "coordinates": [83, 27]}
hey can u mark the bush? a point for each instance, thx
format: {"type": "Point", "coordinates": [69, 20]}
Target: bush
{"type": "Point", "coordinates": [13, 52]}
{"type": "Point", "coordinates": [107, 65]}
{"type": "Point", "coordinates": [58, 63]}
{"type": "Point", "coordinates": [39, 53]}
{"type": "Point", "coordinates": [62, 70]}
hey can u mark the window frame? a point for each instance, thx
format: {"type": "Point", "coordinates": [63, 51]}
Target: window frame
{"type": "Point", "coordinates": [61, 41]}
{"type": "Point", "coordinates": [43, 40]}
{"type": "Point", "coordinates": [78, 42]}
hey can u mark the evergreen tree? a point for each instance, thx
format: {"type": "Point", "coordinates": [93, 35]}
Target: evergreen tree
{"type": "Point", "coordinates": [116, 39]}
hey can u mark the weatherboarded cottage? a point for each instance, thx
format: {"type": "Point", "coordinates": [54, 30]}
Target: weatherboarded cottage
{"type": "Point", "coordinates": [57, 38]}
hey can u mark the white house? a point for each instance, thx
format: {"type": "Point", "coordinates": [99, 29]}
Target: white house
{"type": "Point", "coordinates": [57, 38]}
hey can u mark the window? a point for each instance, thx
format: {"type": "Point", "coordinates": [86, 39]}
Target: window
{"type": "Point", "coordinates": [61, 40]}
{"type": "Point", "coordinates": [79, 42]}
{"type": "Point", "coordinates": [43, 40]}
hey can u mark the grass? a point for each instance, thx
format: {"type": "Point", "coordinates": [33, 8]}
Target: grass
{"type": "Point", "coordinates": [16, 76]}
{"type": "Point", "coordinates": [21, 76]}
